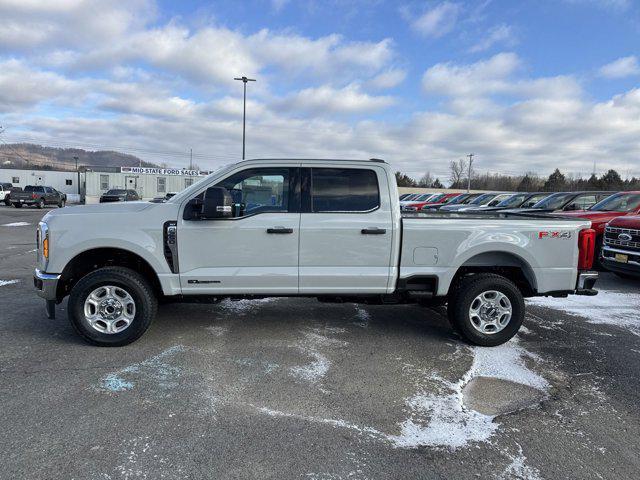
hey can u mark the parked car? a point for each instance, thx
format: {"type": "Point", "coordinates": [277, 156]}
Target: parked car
{"type": "Point", "coordinates": [567, 202]}
{"type": "Point", "coordinates": [422, 197]}
{"type": "Point", "coordinates": [618, 205]}
{"type": "Point", "coordinates": [5, 189]}
{"type": "Point", "coordinates": [119, 195]}
{"type": "Point", "coordinates": [621, 247]}
{"type": "Point", "coordinates": [326, 229]}
{"type": "Point", "coordinates": [7, 198]}
{"type": "Point", "coordinates": [439, 199]}
{"type": "Point", "coordinates": [488, 204]}
{"type": "Point", "coordinates": [404, 196]}
{"type": "Point", "coordinates": [461, 199]}
{"type": "Point", "coordinates": [517, 200]}
{"type": "Point", "coordinates": [38, 196]}
{"type": "Point", "coordinates": [482, 199]}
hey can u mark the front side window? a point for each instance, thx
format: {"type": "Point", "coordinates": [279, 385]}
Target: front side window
{"type": "Point", "coordinates": [622, 202]}
{"type": "Point", "coordinates": [104, 182]}
{"type": "Point", "coordinates": [344, 190]}
{"type": "Point", "coordinates": [258, 190]}
{"type": "Point", "coordinates": [162, 185]}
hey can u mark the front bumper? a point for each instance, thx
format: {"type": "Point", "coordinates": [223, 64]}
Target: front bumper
{"type": "Point", "coordinates": [630, 267]}
{"type": "Point", "coordinates": [46, 284]}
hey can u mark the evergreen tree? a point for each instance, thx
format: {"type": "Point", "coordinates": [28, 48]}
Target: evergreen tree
{"type": "Point", "coordinates": [556, 182]}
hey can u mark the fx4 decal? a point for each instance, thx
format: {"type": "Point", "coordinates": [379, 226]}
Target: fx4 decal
{"type": "Point", "coordinates": [563, 235]}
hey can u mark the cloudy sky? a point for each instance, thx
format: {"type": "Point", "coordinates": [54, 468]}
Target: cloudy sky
{"type": "Point", "coordinates": [525, 85]}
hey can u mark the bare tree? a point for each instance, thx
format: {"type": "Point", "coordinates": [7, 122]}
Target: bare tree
{"type": "Point", "coordinates": [426, 181]}
{"type": "Point", "coordinates": [457, 172]}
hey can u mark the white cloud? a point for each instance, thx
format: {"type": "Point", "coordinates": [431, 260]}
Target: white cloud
{"type": "Point", "coordinates": [622, 67]}
{"type": "Point", "coordinates": [615, 5]}
{"type": "Point", "coordinates": [437, 21]}
{"type": "Point", "coordinates": [500, 34]}
{"type": "Point", "coordinates": [326, 99]}
{"type": "Point", "coordinates": [388, 79]}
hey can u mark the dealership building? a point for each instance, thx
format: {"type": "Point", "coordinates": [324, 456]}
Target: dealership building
{"type": "Point", "coordinates": [89, 183]}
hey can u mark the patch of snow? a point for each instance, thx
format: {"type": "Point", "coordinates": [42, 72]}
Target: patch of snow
{"type": "Point", "coordinates": [608, 307]}
{"type": "Point", "coordinates": [243, 306]}
{"type": "Point", "coordinates": [8, 282]}
{"type": "Point", "coordinates": [310, 346]}
{"type": "Point", "coordinates": [444, 421]}
{"type": "Point", "coordinates": [155, 368]}
{"type": "Point", "coordinates": [16, 224]}
{"type": "Point", "coordinates": [313, 371]}
{"type": "Point", "coordinates": [217, 330]}
{"type": "Point", "coordinates": [519, 469]}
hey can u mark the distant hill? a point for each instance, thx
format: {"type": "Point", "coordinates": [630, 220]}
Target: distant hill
{"type": "Point", "coordinates": [27, 155]}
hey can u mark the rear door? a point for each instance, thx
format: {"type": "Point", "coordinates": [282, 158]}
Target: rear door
{"type": "Point", "coordinates": [346, 230]}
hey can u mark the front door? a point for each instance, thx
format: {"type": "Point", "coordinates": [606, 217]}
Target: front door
{"type": "Point", "coordinates": [256, 250]}
{"type": "Point", "coordinates": [131, 183]}
{"type": "Point", "coordinates": [346, 231]}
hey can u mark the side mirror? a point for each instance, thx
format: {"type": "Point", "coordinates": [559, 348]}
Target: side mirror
{"type": "Point", "coordinates": [572, 206]}
{"type": "Point", "coordinates": [216, 203]}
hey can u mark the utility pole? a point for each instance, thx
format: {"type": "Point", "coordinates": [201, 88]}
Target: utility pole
{"type": "Point", "coordinates": [191, 159]}
{"type": "Point", "coordinates": [244, 107]}
{"type": "Point", "coordinates": [469, 174]}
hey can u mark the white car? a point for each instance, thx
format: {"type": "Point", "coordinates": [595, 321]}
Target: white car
{"type": "Point", "coordinates": [488, 202]}
{"type": "Point", "coordinates": [327, 229]}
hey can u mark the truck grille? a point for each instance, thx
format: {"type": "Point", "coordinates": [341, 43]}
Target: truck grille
{"type": "Point", "coordinates": [630, 238]}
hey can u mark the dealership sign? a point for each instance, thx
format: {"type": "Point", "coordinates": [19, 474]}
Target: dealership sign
{"type": "Point", "coordinates": [163, 171]}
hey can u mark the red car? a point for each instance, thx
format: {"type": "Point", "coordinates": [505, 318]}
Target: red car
{"type": "Point", "coordinates": [621, 248]}
{"type": "Point", "coordinates": [617, 205]}
{"type": "Point", "coordinates": [437, 200]}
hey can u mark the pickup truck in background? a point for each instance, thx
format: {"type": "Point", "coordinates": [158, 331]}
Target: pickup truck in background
{"type": "Point", "coordinates": [618, 205]}
{"type": "Point", "coordinates": [620, 251]}
{"type": "Point", "coordinates": [327, 229]}
{"type": "Point", "coordinates": [39, 196]}
{"type": "Point", "coordinates": [440, 199]}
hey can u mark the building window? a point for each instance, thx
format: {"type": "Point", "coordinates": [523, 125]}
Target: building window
{"type": "Point", "coordinates": [68, 182]}
{"type": "Point", "coordinates": [104, 182]}
{"type": "Point", "coordinates": [162, 185]}
{"type": "Point", "coordinates": [188, 182]}
{"type": "Point", "coordinates": [15, 180]}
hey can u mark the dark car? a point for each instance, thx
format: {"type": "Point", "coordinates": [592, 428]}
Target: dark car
{"type": "Point", "coordinates": [39, 196]}
{"type": "Point", "coordinates": [567, 202]}
{"type": "Point", "coordinates": [517, 200]}
{"type": "Point", "coordinates": [462, 199]}
{"type": "Point", "coordinates": [119, 195]}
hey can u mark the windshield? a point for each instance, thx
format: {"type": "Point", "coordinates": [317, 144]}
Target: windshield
{"type": "Point", "coordinates": [514, 201]}
{"type": "Point", "coordinates": [116, 192]}
{"type": "Point", "coordinates": [485, 197]}
{"type": "Point", "coordinates": [530, 202]}
{"type": "Point", "coordinates": [436, 197]}
{"type": "Point", "coordinates": [424, 197]}
{"type": "Point", "coordinates": [621, 202]}
{"type": "Point", "coordinates": [555, 201]}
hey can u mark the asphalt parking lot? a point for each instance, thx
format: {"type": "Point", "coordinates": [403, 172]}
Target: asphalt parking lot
{"type": "Point", "coordinates": [292, 388]}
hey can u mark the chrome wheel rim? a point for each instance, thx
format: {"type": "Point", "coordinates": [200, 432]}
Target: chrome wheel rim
{"type": "Point", "coordinates": [109, 309]}
{"type": "Point", "coordinates": [490, 312]}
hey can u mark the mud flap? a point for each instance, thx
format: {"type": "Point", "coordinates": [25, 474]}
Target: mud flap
{"type": "Point", "coordinates": [50, 307]}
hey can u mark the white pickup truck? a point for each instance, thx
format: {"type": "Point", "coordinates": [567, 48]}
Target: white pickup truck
{"type": "Point", "coordinates": [330, 229]}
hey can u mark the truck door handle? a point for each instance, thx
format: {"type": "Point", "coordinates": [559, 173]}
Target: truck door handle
{"type": "Point", "coordinates": [279, 230]}
{"type": "Point", "coordinates": [373, 231]}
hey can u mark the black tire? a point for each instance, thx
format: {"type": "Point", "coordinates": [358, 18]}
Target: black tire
{"type": "Point", "coordinates": [17, 205]}
{"type": "Point", "coordinates": [40, 204]}
{"type": "Point", "coordinates": [136, 285]}
{"type": "Point", "coordinates": [7, 202]}
{"type": "Point", "coordinates": [463, 294]}
{"type": "Point", "coordinates": [61, 204]}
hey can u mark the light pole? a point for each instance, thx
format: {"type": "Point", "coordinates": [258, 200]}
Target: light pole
{"type": "Point", "coordinates": [77, 174]}
{"type": "Point", "coordinates": [469, 174]}
{"type": "Point", "coordinates": [244, 107]}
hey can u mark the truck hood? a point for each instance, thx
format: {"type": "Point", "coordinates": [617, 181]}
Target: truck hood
{"type": "Point", "coordinates": [631, 221]}
{"type": "Point", "coordinates": [103, 208]}
{"type": "Point", "coordinates": [598, 219]}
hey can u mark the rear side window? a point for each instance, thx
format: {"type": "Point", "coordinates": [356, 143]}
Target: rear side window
{"type": "Point", "coordinates": [344, 190]}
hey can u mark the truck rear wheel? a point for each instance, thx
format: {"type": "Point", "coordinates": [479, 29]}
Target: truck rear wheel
{"type": "Point", "coordinates": [486, 309]}
{"type": "Point", "coordinates": [17, 205]}
{"type": "Point", "coordinates": [112, 306]}
{"type": "Point", "coordinates": [40, 204]}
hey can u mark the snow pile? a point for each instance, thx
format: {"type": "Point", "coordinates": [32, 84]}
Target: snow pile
{"type": "Point", "coordinates": [519, 469]}
{"type": "Point", "coordinates": [243, 306]}
{"type": "Point", "coordinates": [610, 308]}
{"type": "Point", "coordinates": [310, 346]}
{"type": "Point", "coordinates": [8, 282]}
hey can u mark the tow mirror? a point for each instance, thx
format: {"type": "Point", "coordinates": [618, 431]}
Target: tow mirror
{"type": "Point", "coordinates": [216, 203]}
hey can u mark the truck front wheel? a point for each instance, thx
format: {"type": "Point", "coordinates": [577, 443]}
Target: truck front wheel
{"type": "Point", "coordinates": [112, 306]}
{"type": "Point", "coordinates": [486, 309]}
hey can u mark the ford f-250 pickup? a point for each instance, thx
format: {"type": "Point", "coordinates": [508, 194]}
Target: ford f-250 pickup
{"type": "Point", "coordinates": [330, 229]}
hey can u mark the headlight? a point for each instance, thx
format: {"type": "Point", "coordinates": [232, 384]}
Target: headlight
{"type": "Point", "coordinates": [42, 238]}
